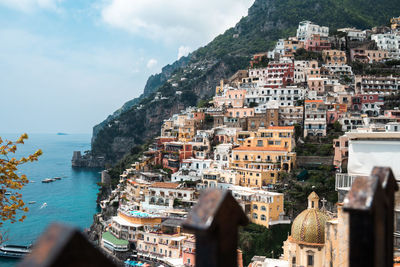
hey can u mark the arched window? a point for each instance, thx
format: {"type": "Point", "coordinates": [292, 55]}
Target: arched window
{"type": "Point", "coordinates": [263, 218]}
{"type": "Point", "coordinates": [263, 208]}
{"type": "Point", "coordinates": [255, 207]}
{"type": "Point", "coordinates": [255, 216]}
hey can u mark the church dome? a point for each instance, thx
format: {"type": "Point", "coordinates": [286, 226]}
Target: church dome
{"type": "Point", "coordinates": [309, 225]}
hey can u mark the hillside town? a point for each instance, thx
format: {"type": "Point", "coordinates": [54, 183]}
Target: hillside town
{"type": "Point", "coordinates": [334, 91]}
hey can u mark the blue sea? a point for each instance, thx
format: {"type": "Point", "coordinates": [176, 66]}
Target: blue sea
{"type": "Point", "coordinates": [71, 200]}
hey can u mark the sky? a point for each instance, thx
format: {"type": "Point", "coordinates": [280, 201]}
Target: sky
{"type": "Point", "coordinates": [65, 65]}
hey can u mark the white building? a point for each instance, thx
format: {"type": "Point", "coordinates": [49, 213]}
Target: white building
{"type": "Point", "coordinates": [367, 150]}
{"type": "Point", "coordinates": [307, 29]}
{"type": "Point", "coordinates": [191, 170]}
{"type": "Point", "coordinates": [340, 70]}
{"type": "Point", "coordinates": [258, 76]}
{"type": "Point", "coordinates": [222, 153]}
{"type": "Point", "coordinates": [161, 196]}
{"type": "Point", "coordinates": [267, 98]}
{"type": "Point", "coordinates": [392, 127]}
{"type": "Point", "coordinates": [354, 34]}
{"type": "Point", "coordinates": [315, 118]}
{"type": "Point", "coordinates": [279, 49]}
{"type": "Point", "coordinates": [389, 42]}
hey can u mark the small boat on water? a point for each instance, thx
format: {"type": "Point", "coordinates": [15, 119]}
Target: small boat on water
{"type": "Point", "coordinates": [57, 178]}
{"type": "Point", "coordinates": [31, 202]}
{"type": "Point", "coordinates": [44, 205]}
{"type": "Point", "coordinates": [7, 193]}
{"type": "Point", "coordinates": [48, 180]}
{"type": "Point", "coordinates": [14, 251]}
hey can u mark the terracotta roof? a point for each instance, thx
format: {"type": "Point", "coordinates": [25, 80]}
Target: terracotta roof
{"type": "Point", "coordinates": [314, 101]}
{"type": "Point", "coordinates": [281, 128]}
{"type": "Point", "coordinates": [246, 148]}
{"type": "Point", "coordinates": [164, 185]}
{"type": "Point", "coordinates": [132, 182]}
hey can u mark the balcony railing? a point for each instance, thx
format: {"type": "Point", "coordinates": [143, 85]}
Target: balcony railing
{"type": "Point", "coordinates": [343, 181]}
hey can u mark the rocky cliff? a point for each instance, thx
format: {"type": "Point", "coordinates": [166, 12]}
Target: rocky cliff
{"type": "Point", "coordinates": [196, 76]}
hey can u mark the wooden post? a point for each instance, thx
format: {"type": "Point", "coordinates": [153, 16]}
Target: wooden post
{"type": "Point", "coordinates": [63, 246]}
{"type": "Point", "coordinates": [370, 204]}
{"type": "Point", "coordinates": [215, 221]}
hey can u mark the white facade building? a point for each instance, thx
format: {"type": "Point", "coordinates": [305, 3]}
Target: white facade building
{"type": "Point", "coordinates": [267, 98]}
{"type": "Point", "coordinates": [222, 155]}
{"type": "Point", "coordinates": [191, 170]}
{"type": "Point", "coordinates": [389, 42]}
{"type": "Point", "coordinates": [279, 49]}
{"type": "Point", "coordinates": [307, 29]}
{"type": "Point", "coordinates": [336, 69]}
{"type": "Point", "coordinates": [354, 34]}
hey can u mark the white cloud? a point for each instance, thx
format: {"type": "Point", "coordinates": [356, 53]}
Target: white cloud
{"type": "Point", "coordinates": [152, 63]}
{"type": "Point", "coordinates": [193, 21]}
{"type": "Point", "coordinates": [183, 51]}
{"type": "Point", "coordinates": [30, 5]}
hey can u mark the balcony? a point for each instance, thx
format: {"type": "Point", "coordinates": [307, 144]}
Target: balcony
{"type": "Point", "coordinates": [343, 181]}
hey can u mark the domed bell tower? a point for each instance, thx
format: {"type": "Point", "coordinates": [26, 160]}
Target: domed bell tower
{"type": "Point", "coordinates": [313, 201]}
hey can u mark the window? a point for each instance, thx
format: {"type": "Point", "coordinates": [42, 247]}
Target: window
{"type": "Point", "coordinates": [255, 216]}
{"type": "Point", "coordinates": [263, 208]}
{"type": "Point", "coordinates": [310, 260]}
{"type": "Point", "coordinates": [255, 207]}
{"type": "Point", "coordinates": [259, 143]}
{"type": "Point", "coordinates": [263, 218]}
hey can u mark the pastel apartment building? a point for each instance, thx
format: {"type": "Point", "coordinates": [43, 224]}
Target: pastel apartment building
{"type": "Point", "coordinates": [267, 209]}
{"type": "Point", "coordinates": [315, 118]}
{"type": "Point", "coordinates": [165, 245]}
{"type": "Point", "coordinates": [317, 43]}
{"type": "Point", "coordinates": [231, 97]}
{"type": "Point", "coordinates": [268, 118]}
{"type": "Point", "coordinates": [290, 115]}
{"type": "Point", "coordinates": [369, 104]}
{"type": "Point", "coordinates": [263, 154]}
{"type": "Point", "coordinates": [280, 74]}
{"type": "Point", "coordinates": [368, 56]}
{"type": "Point", "coordinates": [369, 84]}
{"type": "Point", "coordinates": [174, 153]}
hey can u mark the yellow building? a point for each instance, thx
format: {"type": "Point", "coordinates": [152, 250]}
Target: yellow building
{"type": "Point", "coordinates": [136, 190]}
{"type": "Point", "coordinates": [306, 244]}
{"type": "Point", "coordinates": [395, 23]}
{"type": "Point", "coordinates": [259, 166]}
{"type": "Point", "coordinates": [187, 131]}
{"type": "Point", "coordinates": [263, 154]}
{"type": "Point", "coordinates": [168, 129]}
{"type": "Point", "coordinates": [334, 57]}
{"type": "Point", "coordinates": [267, 209]}
{"type": "Point", "coordinates": [271, 137]}
{"type": "Point", "coordinates": [291, 46]}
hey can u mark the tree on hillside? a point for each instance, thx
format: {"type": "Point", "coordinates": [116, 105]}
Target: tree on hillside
{"type": "Point", "coordinates": [10, 182]}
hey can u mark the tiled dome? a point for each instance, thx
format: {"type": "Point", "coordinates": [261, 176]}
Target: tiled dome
{"type": "Point", "coordinates": [309, 226]}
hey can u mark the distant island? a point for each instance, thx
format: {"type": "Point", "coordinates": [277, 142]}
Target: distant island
{"type": "Point", "coordinates": [62, 134]}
